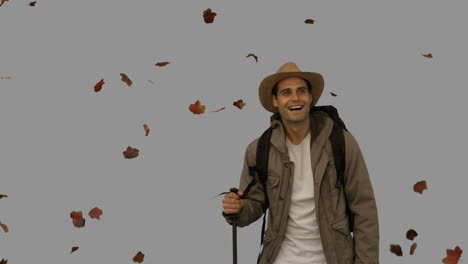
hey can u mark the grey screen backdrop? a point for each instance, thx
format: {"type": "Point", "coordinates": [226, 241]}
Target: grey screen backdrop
{"type": "Point", "coordinates": [62, 143]}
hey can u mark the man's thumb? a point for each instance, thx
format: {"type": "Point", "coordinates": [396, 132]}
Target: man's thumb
{"type": "Point", "coordinates": [240, 193]}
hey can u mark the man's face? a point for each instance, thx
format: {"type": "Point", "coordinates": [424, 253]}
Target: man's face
{"type": "Point", "coordinates": [292, 93]}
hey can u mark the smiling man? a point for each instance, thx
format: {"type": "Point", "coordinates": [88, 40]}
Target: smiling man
{"type": "Point", "coordinates": [307, 220]}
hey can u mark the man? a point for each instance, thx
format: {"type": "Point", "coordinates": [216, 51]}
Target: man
{"type": "Point", "coordinates": [307, 221]}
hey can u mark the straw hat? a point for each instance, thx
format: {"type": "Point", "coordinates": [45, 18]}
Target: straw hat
{"type": "Point", "coordinates": [289, 69]}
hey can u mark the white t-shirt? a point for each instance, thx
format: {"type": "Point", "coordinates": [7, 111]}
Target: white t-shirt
{"type": "Point", "coordinates": [301, 244]}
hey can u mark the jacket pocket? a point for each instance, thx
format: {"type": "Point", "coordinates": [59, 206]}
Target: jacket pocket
{"type": "Point", "coordinates": [344, 242]}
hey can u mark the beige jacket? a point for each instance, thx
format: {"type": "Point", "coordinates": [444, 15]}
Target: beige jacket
{"type": "Point", "coordinates": [339, 245]}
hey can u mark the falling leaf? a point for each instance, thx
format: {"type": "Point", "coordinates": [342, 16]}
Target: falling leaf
{"type": "Point", "coordinates": [197, 108]}
{"type": "Point", "coordinates": [78, 220]}
{"type": "Point", "coordinates": [131, 153]}
{"type": "Point", "coordinates": [147, 130]}
{"type": "Point", "coordinates": [151, 81]}
{"type": "Point", "coordinates": [3, 1]}
{"type": "Point", "coordinates": [222, 108]}
{"type": "Point", "coordinates": [396, 249]}
{"type": "Point", "coordinates": [453, 256]}
{"type": "Point", "coordinates": [3, 195]}
{"type": "Point", "coordinates": [161, 64]}
{"type": "Point", "coordinates": [32, 3]}
{"type": "Point", "coordinates": [239, 104]}
{"type": "Point", "coordinates": [253, 55]}
{"type": "Point", "coordinates": [413, 248]}
{"type": "Point", "coordinates": [333, 94]}
{"type": "Point", "coordinates": [95, 213]}
{"type": "Point", "coordinates": [125, 79]}
{"type": "Point", "coordinates": [74, 249]}
{"type": "Point", "coordinates": [429, 55]}
{"type": "Point", "coordinates": [209, 16]}
{"type": "Point", "coordinates": [98, 85]}
{"type": "Point", "coordinates": [3, 261]}
{"type": "Point", "coordinates": [420, 186]}
{"type": "Point", "coordinates": [309, 21]}
{"type": "Point", "coordinates": [411, 234]}
{"type": "Point", "coordinates": [4, 227]}
{"type": "Point", "coordinates": [138, 257]}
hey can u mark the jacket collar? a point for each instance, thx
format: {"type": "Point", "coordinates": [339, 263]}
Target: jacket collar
{"type": "Point", "coordinates": [320, 128]}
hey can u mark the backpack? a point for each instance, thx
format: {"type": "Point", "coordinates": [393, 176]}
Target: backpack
{"type": "Point", "coordinates": [338, 146]}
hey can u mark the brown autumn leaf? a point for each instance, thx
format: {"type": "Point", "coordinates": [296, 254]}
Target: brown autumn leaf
{"type": "Point", "coordinates": [131, 153]}
{"type": "Point", "coordinates": [3, 261]}
{"type": "Point", "coordinates": [239, 104]}
{"type": "Point", "coordinates": [98, 85]}
{"type": "Point", "coordinates": [429, 55]}
{"type": "Point", "coordinates": [420, 186]}
{"type": "Point", "coordinates": [309, 21]}
{"type": "Point", "coordinates": [333, 94]}
{"type": "Point", "coordinates": [78, 220]}
{"type": "Point", "coordinates": [197, 108]}
{"type": "Point", "coordinates": [2, 1]}
{"type": "Point", "coordinates": [95, 213]}
{"type": "Point", "coordinates": [4, 227]}
{"type": "Point", "coordinates": [396, 249]}
{"type": "Point", "coordinates": [411, 234]}
{"type": "Point", "coordinates": [161, 64]}
{"type": "Point", "coordinates": [125, 79]}
{"type": "Point", "coordinates": [74, 249]}
{"type": "Point", "coordinates": [413, 248]}
{"type": "Point", "coordinates": [32, 3]}
{"type": "Point", "coordinates": [208, 16]}
{"type": "Point", "coordinates": [138, 257]}
{"type": "Point", "coordinates": [222, 108]}
{"type": "Point", "coordinates": [3, 195]}
{"type": "Point", "coordinates": [453, 256]}
{"type": "Point", "coordinates": [253, 55]}
{"type": "Point", "coordinates": [147, 130]}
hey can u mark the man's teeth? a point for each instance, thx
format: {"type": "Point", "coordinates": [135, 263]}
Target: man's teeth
{"type": "Point", "coordinates": [295, 107]}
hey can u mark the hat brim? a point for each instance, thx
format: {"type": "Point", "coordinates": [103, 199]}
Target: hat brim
{"type": "Point", "coordinates": [266, 86]}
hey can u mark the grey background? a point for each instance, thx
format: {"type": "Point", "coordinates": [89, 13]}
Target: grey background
{"type": "Point", "coordinates": [62, 143]}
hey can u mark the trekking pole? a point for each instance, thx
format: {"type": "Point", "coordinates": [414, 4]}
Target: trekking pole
{"type": "Point", "coordinates": [234, 234]}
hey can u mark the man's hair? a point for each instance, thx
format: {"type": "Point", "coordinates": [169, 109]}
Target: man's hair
{"type": "Point", "coordinates": [274, 91]}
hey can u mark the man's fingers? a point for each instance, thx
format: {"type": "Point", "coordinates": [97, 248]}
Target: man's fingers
{"type": "Point", "coordinates": [232, 196]}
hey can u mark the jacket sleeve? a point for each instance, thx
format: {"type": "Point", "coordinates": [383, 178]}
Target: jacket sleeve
{"type": "Point", "coordinates": [362, 203]}
{"type": "Point", "coordinates": [254, 199]}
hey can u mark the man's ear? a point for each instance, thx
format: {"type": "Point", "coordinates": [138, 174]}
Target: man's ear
{"type": "Point", "coordinates": [275, 102]}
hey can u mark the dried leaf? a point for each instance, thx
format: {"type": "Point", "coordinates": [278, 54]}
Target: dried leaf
{"type": "Point", "coordinates": [125, 79]}
{"type": "Point", "coordinates": [131, 153]}
{"type": "Point", "coordinates": [4, 227]}
{"type": "Point", "coordinates": [208, 16]}
{"type": "Point", "coordinates": [2, 1]}
{"type": "Point", "coordinates": [309, 21]}
{"type": "Point", "coordinates": [253, 55]}
{"type": "Point", "coordinates": [95, 213]}
{"type": "Point", "coordinates": [420, 186]}
{"type": "Point", "coordinates": [429, 55]}
{"type": "Point", "coordinates": [239, 104]}
{"type": "Point", "coordinates": [32, 3]}
{"type": "Point", "coordinates": [396, 249]}
{"type": "Point", "coordinates": [98, 85]}
{"type": "Point", "coordinates": [197, 108]}
{"type": "Point", "coordinates": [3, 195]}
{"type": "Point", "coordinates": [161, 64]}
{"type": "Point", "coordinates": [413, 248]}
{"type": "Point", "coordinates": [453, 256]}
{"type": "Point", "coordinates": [151, 81]}
{"type": "Point", "coordinates": [3, 261]}
{"type": "Point", "coordinates": [74, 249]}
{"type": "Point", "coordinates": [147, 130]}
{"type": "Point", "coordinates": [333, 94]}
{"type": "Point", "coordinates": [78, 220]}
{"type": "Point", "coordinates": [411, 234]}
{"type": "Point", "coordinates": [222, 108]}
{"type": "Point", "coordinates": [138, 257]}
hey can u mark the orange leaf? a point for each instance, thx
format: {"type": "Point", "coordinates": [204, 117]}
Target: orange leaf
{"type": "Point", "coordinates": [95, 213]}
{"type": "Point", "coordinates": [222, 108]}
{"type": "Point", "coordinates": [239, 104]}
{"type": "Point", "coordinates": [333, 94]}
{"type": "Point", "coordinates": [4, 227]}
{"type": "Point", "coordinates": [413, 248]}
{"type": "Point", "coordinates": [138, 257]}
{"type": "Point", "coordinates": [147, 130]}
{"type": "Point", "coordinates": [98, 85]}
{"type": "Point", "coordinates": [74, 249]}
{"type": "Point", "coordinates": [396, 249]}
{"type": "Point", "coordinates": [125, 79]}
{"type": "Point", "coordinates": [420, 186]}
{"type": "Point", "coordinates": [411, 234]}
{"type": "Point", "coordinates": [161, 64]}
{"type": "Point", "coordinates": [309, 21]}
{"type": "Point", "coordinates": [253, 55]}
{"type": "Point", "coordinates": [78, 220]}
{"type": "Point", "coordinates": [429, 55]}
{"type": "Point", "coordinates": [453, 256]}
{"type": "Point", "coordinates": [208, 16]}
{"type": "Point", "coordinates": [3, 261]}
{"type": "Point", "coordinates": [33, 3]}
{"type": "Point", "coordinates": [3, 195]}
{"type": "Point", "coordinates": [2, 1]}
{"type": "Point", "coordinates": [131, 153]}
{"type": "Point", "coordinates": [197, 108]}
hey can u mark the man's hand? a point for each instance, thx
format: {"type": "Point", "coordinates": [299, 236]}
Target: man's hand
{"type": "Point", "coordinates": [232, 203]}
